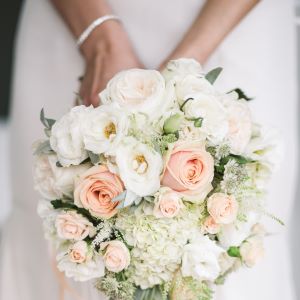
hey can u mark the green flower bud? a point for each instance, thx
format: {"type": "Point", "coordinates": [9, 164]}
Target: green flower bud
{"type": "Point", "coordinates": [172, 124]}
{"type": "Point", "coordinates": [234, 252]}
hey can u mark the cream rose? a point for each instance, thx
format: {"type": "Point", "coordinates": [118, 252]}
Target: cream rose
{"type": "Point", "coordinates": [211, 111]}
{"type": "Point", "coordinates": [53, 182]}
{"type": "Point", "coordinates": [66, 137]}
{"type": "Point", "coordinates": [222, 207]}
{"type": "Point", "coordinates": [189, 170]}
{"type": "Point", "coordinates": [240, 125]}
{"type": "Point", "coordinates": [95, 191]}
{"type": "Point", "coordinates": [72, 226]}
{"type": "Point", "coordinates": [78, 252]}
{"type": "Point", "coordinates": [104, 129]}
{"type": "Point", "coordinates": [210, 225]}
{"type": "Point", "coordinates": [137, 90]}
{"type": "Point", "coordinates": [139, 167]}
{"type": "Point", "coordinates": [167, 204]}
{"type": "Point", "coordinates": [116, 256]}
{"type": "Point", "coordinates": [252, 251]}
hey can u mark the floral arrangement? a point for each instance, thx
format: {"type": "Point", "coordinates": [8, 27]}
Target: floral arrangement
{"type": "Point", "coordinates": [158, 193]}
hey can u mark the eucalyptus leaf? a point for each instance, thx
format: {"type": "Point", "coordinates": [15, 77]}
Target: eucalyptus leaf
{"type": "Point", "coordinates": [95, 158]}
{"type": "Point", "coordinates": [212, 75]}
{"type": "Point", "coordinates": [43, 148]}
{"type": "Point", "coordinates": [241, 94]}
{"type": "Point", "coordinates": [48, 123]}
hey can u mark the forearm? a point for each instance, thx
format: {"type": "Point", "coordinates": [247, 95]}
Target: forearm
{"type": "Point", "coordinates": [215, 21]}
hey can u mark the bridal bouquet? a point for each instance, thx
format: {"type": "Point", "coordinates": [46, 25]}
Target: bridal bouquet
{"type": "Point", "coordinates": [157, 193]}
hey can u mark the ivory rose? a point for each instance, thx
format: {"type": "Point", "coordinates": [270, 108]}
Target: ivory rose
{"type": "Point", "coordinates": [116, 257]}
{"type": "Point", "coordinates": [222, 207]}
{"type": "Point", "coordinates": [95, 191]}
{"type": "Point", "coordinates": [210, 225]}
{"type": "Point", "coordinates": [189, 170]}
{"type": "Point", "coordinates": [168, 204]}
{"type": "Point", "coordinates": [72, 226]}
{"type": "Point", "coordinates": [252, 251]}
{"type": "Point", "coordinates": [78, 252]}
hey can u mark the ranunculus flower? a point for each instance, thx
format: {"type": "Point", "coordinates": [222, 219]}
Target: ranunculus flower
{"type": "Point", "coordinates": [95, 191]}
{"type": "Point", "coordinates": [53, 182]}
{"type": "Point", "coordinates": [79, 252]}
{"type": "Point", "coordinates": [73, 226]}
{"type": "Point", "coordinates": [222, 207]}
{"type": "Point", "coordinates": [66, 136]}
{"type": "Point", "coordinates": [252, 250]}
{"type": "Point", "coordinates": [139, 166]}
{"type": "Point", "coordinates": [200, 259]}
{"type": "Point", "coordinates": [138, 90]}
{"type": "Point", "coordinates": [167, 204]}
{"type": "Point", "coordinates": [116, 256]}
{"type": "Point", "coordinates": [240, 125]}
{"type": "Point", "coordinates": [103, 129]}
{"type": "Point", "coordinates": [189, 171]}
{"type": "Point", "coordinates": [210, 225]}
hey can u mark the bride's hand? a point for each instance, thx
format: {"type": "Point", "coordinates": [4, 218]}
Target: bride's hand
{"type": "Point", "coordinates": [107, 51]}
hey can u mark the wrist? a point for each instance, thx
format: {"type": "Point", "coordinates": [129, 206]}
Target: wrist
{"type": "Point", "coordinates": [104, 38]}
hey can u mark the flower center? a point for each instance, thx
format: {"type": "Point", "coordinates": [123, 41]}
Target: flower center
{"type": "Point", "coordinates": [110, 130]}
{"type": "Point", "coordinates": [140, 164]}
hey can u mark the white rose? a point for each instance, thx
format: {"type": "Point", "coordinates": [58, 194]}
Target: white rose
{"type": "Point", "coordinates": [181, 67]}
{"type": "Point", "coordinates": [252, 251]}
{"type": "Point", "coordinates": [138, 90]}
{"type": "Point", "coordinates": [116, 256]}
{"type": "Point", "coordinates": [139, 167]}
{"type": "Point", "coordinates": [67, 139]}
{"type": "Point", "coordinates": [104, 128]}
{"type": "Point", "coordinates": [79, 263]}
{"type": "Point", "coordinates": [240, 125]}
{"type": "Point", "coordinates": [234, 234]}
{"type": "Point", "coordinates": [53, 182]}
{"type": "Point", "coordinates": [200, 259]}
{"type": "Point", "coordinates": [211, 111]}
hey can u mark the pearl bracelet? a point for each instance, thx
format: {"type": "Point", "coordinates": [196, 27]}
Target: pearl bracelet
{"type": "Point", "coordinates": [86, 33]}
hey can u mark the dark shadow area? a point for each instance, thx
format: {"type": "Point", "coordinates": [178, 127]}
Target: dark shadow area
{"type": "Point", "coordinates": [9, 12]}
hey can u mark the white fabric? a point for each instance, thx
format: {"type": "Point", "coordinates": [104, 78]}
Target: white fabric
{"type": "Point", "coordinates": [258, 56]}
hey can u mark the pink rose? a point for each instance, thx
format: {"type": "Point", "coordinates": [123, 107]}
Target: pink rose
{"type": "Point", "coordinates": [116, 256]}
{"type": "Point", "coordinates": [222, 207]}
{"type": "Point", "coordinates": [72, 226]}
{"type": "Point", "coordinates": [210, 225]}
{"type": "Point", "coordinates": [189, 170]}
{"type": "Point", "coordinates": [95, 191]}
{"type": "Point", "coordinates": [78, 252]}
{"type": "Point", "coordinates": [168, 204]}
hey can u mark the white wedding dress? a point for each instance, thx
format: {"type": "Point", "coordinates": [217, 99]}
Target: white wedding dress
{"type": "Point", "coordinates": [258, 56]}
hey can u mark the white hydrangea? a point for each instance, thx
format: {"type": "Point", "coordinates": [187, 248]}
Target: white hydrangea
{"type": "Point", "coordinates": [158, 243]}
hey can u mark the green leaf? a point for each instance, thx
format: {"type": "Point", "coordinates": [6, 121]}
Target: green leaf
{"type": "Point", "coordinates": [43, 148]}
{"type": "Point", "coordinates": [59, 204]}
{"type": "Point", "coordinates": [48, 123]}
{"type": "Point", "coordinates": [154, 293]}
{"type": "Point", "coordinates": [240, 159]}
{"type": "Point", "coordinates": [95, 158]}
{"type": "Point", "coordinates": [234, 251]}
{"type": "Point", "coordinates": [198, 122]}
{"type": "Point", "coordinates": [212, 75]}
{"type": "Point", "coordinates": [241, 94]}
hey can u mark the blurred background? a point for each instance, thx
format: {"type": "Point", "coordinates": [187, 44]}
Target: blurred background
{"type": "Point", "coordinates": [9, 12]}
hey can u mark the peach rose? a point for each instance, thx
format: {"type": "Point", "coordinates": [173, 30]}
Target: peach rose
{"type": "Point", "coordinates": [168, 204]}
{"type": "Point", "coordinates": [72, 226]}
{"type": "Point", "coordinates": [116, 256]}
{"type": "Point", "coordinates": [252, 251]}
{"type": "Point", "coordinates": [78, 252]}
{"type": "Point", "coordinates": [95, 191]}
{"type": "Point", "coordinates": [189, 170]}
{"type": "Point", "coordinates": [210, 225]}
{"type": "Point", "coordinates": [222, 207]}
